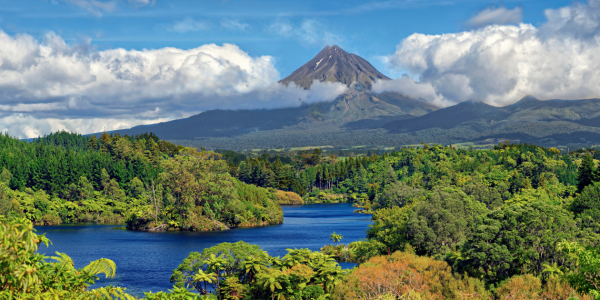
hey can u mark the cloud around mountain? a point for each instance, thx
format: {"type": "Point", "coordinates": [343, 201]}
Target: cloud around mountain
{"type": "Point", "coordinates": [499, 64]}
{"type": "Point", "coordinates": [48, 85]}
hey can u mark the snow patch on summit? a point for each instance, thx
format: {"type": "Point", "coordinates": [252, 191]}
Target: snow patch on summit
{"type": "Point", "coordinates": [318, 63]}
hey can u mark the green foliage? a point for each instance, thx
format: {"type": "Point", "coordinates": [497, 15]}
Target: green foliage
{"type": "Point", "coordinates": [336, 238]}
{"type": "Point", "coordinates": [390, 227]}
{"type": "Point", "coordinates": [443, 222]}
{"type": "Point", "coordinates": [151, 184]}
{"type": "Point", "coordinates": [244, 271]}
{"type": "Point", "coordinates": [25, 274]}
{"type": "Point", "coordinates": [586, 277]}
{"type": "Point", "coordinates": [585, 175]}
{"type": "Point", "coordinates": [520, 239]}
{"type": "Point", "coordinates": [587, 204]}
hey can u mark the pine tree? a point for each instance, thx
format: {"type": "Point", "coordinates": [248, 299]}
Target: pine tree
{"type": "Point", "coordinates": [585, 175]}
{"type": "Point", "coordinates": [360, 180]}
{"type": "Point", "coordinates": [92, 143]}
{"type": "Point", "coordinates": [153, 152]}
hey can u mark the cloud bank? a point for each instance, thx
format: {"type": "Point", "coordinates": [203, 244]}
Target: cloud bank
{"type": "Point", "coordinates": [500, 64]}
{"type": "Point", "coordinates": [49, 85]}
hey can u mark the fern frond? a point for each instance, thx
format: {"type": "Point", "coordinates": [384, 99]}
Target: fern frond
{"type": "Point", "coordinates": [102, 266]}
{"type": "Point", "coordinates": [63, 259]}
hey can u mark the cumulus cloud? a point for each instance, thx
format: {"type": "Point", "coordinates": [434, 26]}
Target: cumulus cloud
{"type": "Point", "coordinates": [409, 87]}
{"type": "Point", "coordinates": [49, 85]}
{"type": "Point", "coordinates": [580, 20]}
{"type": "Point", "coordinates": [309, 32]}
{"type": "Point", "coordinates": [496, 15]}
{"type": "Point", "coordinates": [500, 64]}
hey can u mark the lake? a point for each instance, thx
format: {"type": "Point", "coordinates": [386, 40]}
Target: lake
{"type": "Point", "coordinates": [145, 260]}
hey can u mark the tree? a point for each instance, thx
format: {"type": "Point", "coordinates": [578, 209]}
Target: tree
{"type": "Point", "coordinates": [586, 278]}
{"type": "Point", "coordinates": [444, 221]}
{"type": "Point", "coordinates": [202, 277]}
{"type": "Point", "coordinates": [153, 193]}
{"type": "Point", "coordinates": [5, 176]}
{"type": "Point", "coordinates": [407, 276]}
{"type": "Point", "coordinates": [587, 204]}
{"type": "Point", "coordinates": [520, 239]}
{"type": "Point", "coordinates": [226, 258]}
{"type": "Point", "coordinates": [360, 181]}
{"type": "Point", "coordinates": [92, 143]}
{"type": "Point", "coordinates": [136, 188]}
{"type": "Point", "coordinates": [390, 227]}
{"type": "Point", "coordinates": [25, 273]}
{"type": "Point", "coordinates": [397, 194]}
{"type": "Point", "coordinates": [271, 280]}
{"type": "Point", "coordinates": [85, 189]}
{"type": "Point", "coordinates": [336, 238]}
{"type": "Point", "coordinates": [585, 175]}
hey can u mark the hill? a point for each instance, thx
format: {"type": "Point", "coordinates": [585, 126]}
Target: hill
{"type": "Point", "coordinates": [550, 122]}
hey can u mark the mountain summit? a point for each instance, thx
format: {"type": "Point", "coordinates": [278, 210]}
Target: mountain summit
{"type": "Point", "coordinates": [333, 64]}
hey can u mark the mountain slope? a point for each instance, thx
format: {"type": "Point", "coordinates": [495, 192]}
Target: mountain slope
{"type": "Point", "coordinates": [550, 122]}
{"type": "Point", "coordinates": [333, 64]}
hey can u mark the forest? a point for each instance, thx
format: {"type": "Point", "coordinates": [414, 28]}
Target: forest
{"type": "Point", "coordinates": [145, 182]}
{"type": "Point", "coordinates": [517, 221]}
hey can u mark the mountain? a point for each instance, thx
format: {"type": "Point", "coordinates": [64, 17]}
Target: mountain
{"type": "Point", "coordinates": [356, 109]}
{"type": "Point", "coordinates": [548, 122]}
{"type": "Point", "coordinates": [333, 64]}
{"type": "Point", "coordinates": [361, 118]}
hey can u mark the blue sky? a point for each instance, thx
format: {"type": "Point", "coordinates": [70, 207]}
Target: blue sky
{"type": "Point", "coordinates": [371, 29]}
{"type": "Point", "coordinates": [94, 65]}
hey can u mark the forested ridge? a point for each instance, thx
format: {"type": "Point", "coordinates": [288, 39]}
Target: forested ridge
{"type": "Point", "coordinates": [517, 221]}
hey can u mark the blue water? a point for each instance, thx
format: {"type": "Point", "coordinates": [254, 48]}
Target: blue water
{"type": "Point", "coordinates": [145, 260]}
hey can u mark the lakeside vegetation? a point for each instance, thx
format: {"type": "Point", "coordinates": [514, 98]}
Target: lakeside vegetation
{"type": "Point", "coordinates": [142, 181]}
{"type": "Point", "coordinates": [514, 222]}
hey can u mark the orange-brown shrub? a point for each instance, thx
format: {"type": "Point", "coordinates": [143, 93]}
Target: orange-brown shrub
{"type": "Point", "coordinates": [290, 198]}
{"type": "Point", "coordinates": [529, 287]}
{"type": "Point", "coordinates": [407, 276]}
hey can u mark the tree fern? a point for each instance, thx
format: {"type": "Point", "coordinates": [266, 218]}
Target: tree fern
{"type": "Point", "coordinates": [102, 266]}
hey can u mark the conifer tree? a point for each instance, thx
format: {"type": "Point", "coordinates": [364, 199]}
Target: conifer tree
{"type": "Point", "coordinates": [585, 175]}
{"type": "Point", "coordinates": [92, 143]}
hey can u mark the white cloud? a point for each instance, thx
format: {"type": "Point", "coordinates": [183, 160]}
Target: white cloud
{"type": "Point", "coordinates": [27, 126]}
{"type": "Point", "coordinates": [310, 32]}
{"type": "Point", "coordinates": [188, 25]}
{"type": "Point", "coordinates": [100, 7]}
{"type": "Point", "coordinates": [410, 88]}
{"type": "Point", "coordinates": [281, 28]}
{"type": "Point", "coordinates": [498, 16]}
{"type": "Point", "coordinates": [48, 84]}
{"type": "Point", "coordinates": [579, 20]}
{"type": "Point", "coordinates": [500, 64]}
{"type": "Point", "coordinates": [94, 7]}
{"type": "Point", "coordinates": [234, 25]}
